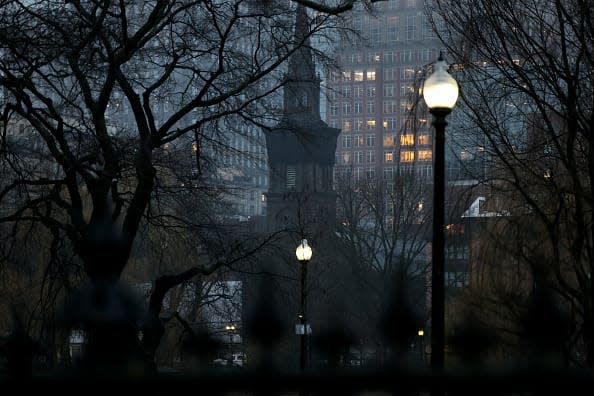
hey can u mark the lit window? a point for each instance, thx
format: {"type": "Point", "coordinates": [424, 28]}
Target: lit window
{"type": "Point", "coordinates": [371, 75]}
{"type": "Point", "coordinates": [425, 155]}
{"type": "Point", "coordinates": [346, 125]}
{"type": "Point", "coordinates": [194, 147]}
{"type": "Point", "coordinates": [370, 123]}
{"type": "Point", "coordinates": [407, 139]}
{"type": "Point", "coordinates": [424, 139]}
{"type": "Point", "coordinates": [407, 156]}
{"type": "Point", "coordinates": [388, 156]}
{"type": "Point", "coordinates": [346, 158]}
{"type": "Point", "coordinates": [388, 141]}
{"type": "Point", "coordinates": [346, 75]}
{"type": "Point", "coordinates": [358, 75]}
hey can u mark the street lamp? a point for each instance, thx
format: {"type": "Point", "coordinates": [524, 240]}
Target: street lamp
{"type": "Point", "coordinates": [421, 334]}
{"type": "Point", "coordinates": [303, 254]}
{"type": "Point", "coordinates": [230, 329]}
{"type": "Point", "coordinates": [440, 92]}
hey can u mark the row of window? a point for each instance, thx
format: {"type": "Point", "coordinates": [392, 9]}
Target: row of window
{"type": "Point", "coordinates": [389, 107]}
{"type": "Point", "coordinates": [361, 157]}
{"type": "Point", "coordinates": [405, 139]}
{"type": "Point", "coordinates": [407, 56]}
{"type": "Point", "coordinates": [407, 73]}
{"type": "Point", "coordinates": [369, 124]}
{"type": "Point", "coordinates": [393, 28]}
{"type": "Point", "coordinates": [387, 173]}
{"type": "Point", "coordinates": [389, 91]}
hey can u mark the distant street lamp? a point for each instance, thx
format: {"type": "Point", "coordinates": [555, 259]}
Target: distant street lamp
{"type": "Point", "coordinates": [421, 334]}
{"type": "Point", "coordinates": [440, 92]}
{"type": "Point", "coordinates": [230, 329]}
{"type": "Point", "coordinates": [303, 254]}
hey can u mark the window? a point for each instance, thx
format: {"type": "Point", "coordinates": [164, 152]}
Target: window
{"type": "Point", "coordinates": [388, 141]}
{"type": "Point", "coordinates": [358, 75]}
{"type": "Point", "coordinates": [406, 89]}
{"type": "Point", "coordinates": [370, 140]}
{"type": "Point", "coordinates": [390, 106]}
{"type": "Point", "coordinates": [388, 157]}
{"type": "Point", "coordinates": [370, 108]}
{"type": "Point", "coordinates": [370, 157]}
{"type": "Point", "coordinates": [393, 28]}
{"type": "Point", "coordinates": [393, 4]}
{"type": "Point", "coordinates": [370, 91]}
{"type": "Point", "coordinates": [456, 279]}
{"type": "Point", "coordinates": [405, 106]}
{"type": "Point", "coordinates": [358, 157]}
{"type": "Point", "coordinates": [334, 109]}
{"type": "Point", "coordinates": [346, 125]}
{"type": "Point", "coordinates": [346, 75]}
{"type": "Point", "coordinates": [370, 173]}
{"type": "Point", "coordinates": [346, 108]}
{"type": "Point", "coordinates": [425, 155]}
{"type": "Point", "coordinates": [359, 92]}
{"type": "Point", "coordinates": [371, 75]}
{"type": "Point", "coordinates": [359, 141]}
{"type": "Point", "coordinates": [346, 158]}
{"type": "Point", "coordinates": [411, 27]}
{"type": "Point", "coordinates": [346, 91]}
{"type": "Point", "coordinates": [370, 123]}
{"type": "Point", "coordinates": [346, 141]}
{"type": "Point", "coordinates": [407, 73]}
{"type": "Point", "coordinates": [407, 156]}
{"type": "Point", "coordinates": [390, 73]}
{"type": "Point", "coordinates": [427, 32]}
{"type": "Point", "coordinates": [406, 56]}
{"type": "Point", "coordinates": [424, 140]}
{"type": "Point", "coordinates": [291, 182]}
{"type": "Point", "coordinates": [407, 139]}
{"type": "Point", "coordinates": [389, 123]}
{"type": "Point", "coordinates": [389, 57]}
{"type": "Point", "coordinates": [374, 31]}
{"type": "Point", "coordinates": [389, 90]}
{"type": "Point", "coordinates": [358, 107]}
{"type": "Point", "coordinates": [358, 124]}
{"type": "Point", "coordinates": [388, 173]}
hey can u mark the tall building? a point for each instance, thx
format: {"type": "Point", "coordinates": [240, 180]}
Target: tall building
{"type": "Point", "coordinates": [371, 97]}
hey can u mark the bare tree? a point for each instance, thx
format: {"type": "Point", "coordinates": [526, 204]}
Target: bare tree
{"type": "Point", "coordinates": [526, 77]}
{"type": "Point", "coordinates": [95, 93]}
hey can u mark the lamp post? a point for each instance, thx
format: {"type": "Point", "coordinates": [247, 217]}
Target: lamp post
{"type": "Point", "coordinates": [421, 334]}
{"type": "Point", "coordinates": [303, 254]}
{"type": "Point", "coordinates": [440, 92]}
{"type": "Point", "coordinates": [230, 329]}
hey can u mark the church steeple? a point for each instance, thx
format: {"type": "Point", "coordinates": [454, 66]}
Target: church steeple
{"type": "Point", "coordinates": [301, 147]}
{"type": "Point", "coordinates": [302, 89]}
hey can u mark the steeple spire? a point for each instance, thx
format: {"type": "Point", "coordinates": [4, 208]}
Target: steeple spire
{"type": "Point", "coordinates": [302, 89]}
{"type": "Point", "coordinates": [301, 65]}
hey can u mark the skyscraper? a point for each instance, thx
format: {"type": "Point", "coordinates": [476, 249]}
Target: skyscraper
{"type": "Point", "coordinates": [371, 97]}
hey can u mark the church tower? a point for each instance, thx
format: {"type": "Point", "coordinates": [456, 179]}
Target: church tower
{"type": "Point", "coordinates": [301, 148]}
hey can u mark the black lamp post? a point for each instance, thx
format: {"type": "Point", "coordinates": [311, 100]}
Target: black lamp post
{"type": "Point", "coordinates": [440, 92]}
{"type": "Point", "coordinates": [303, 254]}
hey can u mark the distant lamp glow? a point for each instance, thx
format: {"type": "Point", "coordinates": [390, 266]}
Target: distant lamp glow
{"type": "Point", "coordinates": [303, 251]}
{"type": "Point", "coordinates": [440, 90]}
{"type": "Point", "coordinates": [421, 332]}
